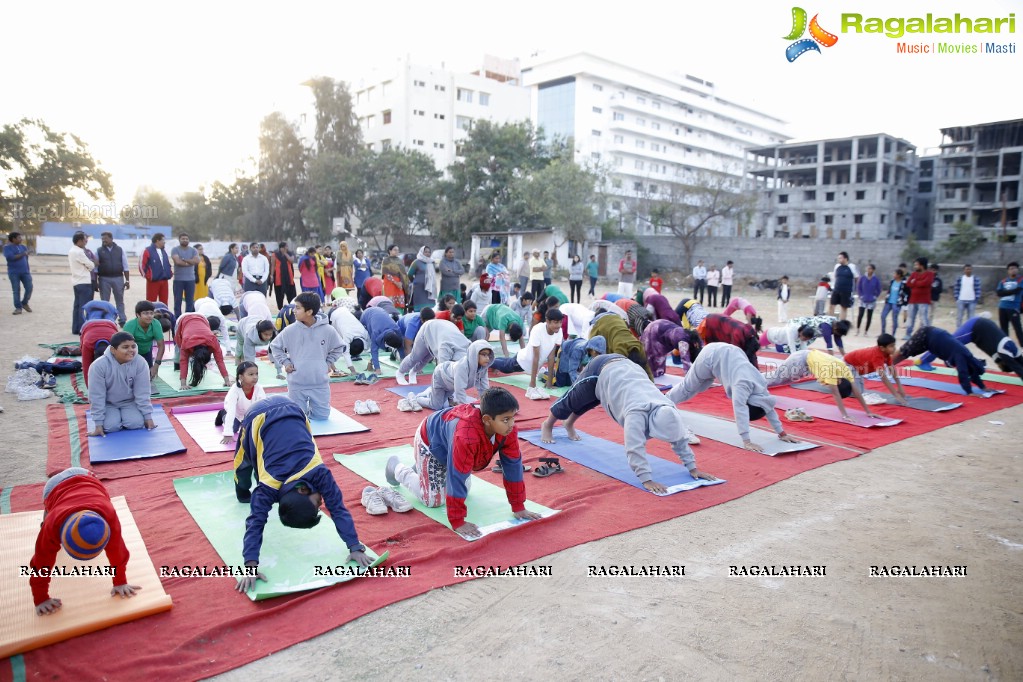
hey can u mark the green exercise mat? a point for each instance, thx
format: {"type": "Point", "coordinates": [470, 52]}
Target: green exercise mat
{"type": "Point", "coordinates": [1011, 380]}
{"type": "Point", "coordinates": [167, 381]}
{"type": "Point", "coordinates": [288, 558]}
{"type": "Point", "coordinates": [486, 506]}
{"type": "Point", "coordinates": [386, 361]}
{"type": "Point", "coordinates": [522, 381]}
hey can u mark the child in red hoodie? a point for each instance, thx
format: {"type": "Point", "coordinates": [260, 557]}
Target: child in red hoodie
{"type": "Point", "coordinates": [80, 518]}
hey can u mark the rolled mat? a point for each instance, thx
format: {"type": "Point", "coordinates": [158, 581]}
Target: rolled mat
{"type": "Point", "coordinates": [486, 506]}
{"type": "Point", "coordinates": [609, 458]}
{"type": "Point", "coordinates": [86, 602]}
{"type": "Point", "coordinates": [289, 557]}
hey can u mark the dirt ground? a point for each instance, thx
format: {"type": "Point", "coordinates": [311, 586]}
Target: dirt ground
{"type": "Point", "coordinates": [950, 497]}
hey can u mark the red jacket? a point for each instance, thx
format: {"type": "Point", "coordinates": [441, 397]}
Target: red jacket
{"type": "Point", "coordinates": [93, 332]}
{"type": "Point", "coordinates": [76, 494]}
{"type": "Point", "coordinates": [193, 330]}
{"type": "Point", "coordinates": [919, 284]}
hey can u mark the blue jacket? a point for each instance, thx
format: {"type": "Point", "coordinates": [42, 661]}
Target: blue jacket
{"type": "Point", "coordinates": [378, 324]}
{"type": "Point", "coordinates": [1010, 292]}
{"type": "Point", "coordinates": [157, 265]}
{"type": "Point", "coordinates": [956, 355]}
{"type": "Point", "coordinates": [571, 357]}
{"type": "Point", "coordinates": [275, 444]}
{"type": "Point", "coordinates": [99, 310]}
{"type": "Point", "coordinates": [409, 324]}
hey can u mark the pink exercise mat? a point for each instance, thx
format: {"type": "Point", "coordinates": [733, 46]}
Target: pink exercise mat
{"type": "Point", "coordinates": [831, 413]}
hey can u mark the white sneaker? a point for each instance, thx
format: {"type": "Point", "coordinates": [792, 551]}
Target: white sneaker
{"type": "Point", "coordinates": [400, 378]}
{"type": "Point", "coordinates": [372, 406]}
{"type": "Point", "coordinates": [874, 399]}
{"type": "Point", "coordinates": [405, 405]}
{"type": "Point", "coordinates": [373, 501]}
{"type": "Point", "coordinates": [692, 437]}
{"type": "Point", "coordinates": [395, 500]}
{"type": "Point", "coordinates": [414, 402]}
{"type": "Point", "coordinates": [362, 407]}
{"type": "Point", "coordinates": [537, 393]}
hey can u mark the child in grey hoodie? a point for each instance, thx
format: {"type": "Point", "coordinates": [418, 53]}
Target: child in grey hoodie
{"type": "Point", "coordinates": [119, 388]}
{"type": "Point", "coordinates": [452, 379]}
{"type": "Point", "coordinates": [437, 339]}
{"type": "Point", "coordinates": [307, 350]}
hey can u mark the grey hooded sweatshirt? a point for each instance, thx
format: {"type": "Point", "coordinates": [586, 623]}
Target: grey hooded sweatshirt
{"type": "Point", "coordinates": [458, 376]}
{"type": "Point", "coordinates": [111, 383]}
{"type": "Point", "coordinates": [310, 349]}
{"type": "Point", "coordinates": [632, 400]}
{"type": "Point", "coordinates": [744, 385]}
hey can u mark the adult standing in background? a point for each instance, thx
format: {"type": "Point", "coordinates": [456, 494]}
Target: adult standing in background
{"type": "Point", "coordinates": [919, 285]}
{"type": "Point", "coordinates": [626, 274]}
{"type": "Point", "coordinates": [713, 280]}
{"type": "Point", "coordinates": [423, 280]}
{"type": "Point", "coordinates": [937, 288]}
{"type": "Point", "coordinates": [18, 271]}
{"type": "Point", "coordinates": [501, 286]}
{"type": "Point", "coordinates": [269, 279]}
{"type": "Point", "coordinates": [345, 267]}
{"type": "Point", "coordinates": [255, 270]}
{"type": "Point", "coordinates": [395, 276]}
{"type": "Point", "coordinates": [113, 273]}
{"type": "Point", "coordinates": [575, 280]}
{"type": "Point", "coordinates": [536, 266]}
{"type": "Point", "coordinates": [868, 289]}
{"type": "Point", "coordinates": [363, 269]}
{"type": "Point", "coordinates": [967, 291]}
{"type": "Point", "coordinates": [203, 272]}
{"type": "Point", "coordinates": [593, 272]}
{"type": "Point", "coordinates": [185, 259]}
{"type": "Point", "coordinates": [229, 263]}
{"type": "Point", "coordinates": [843, 283]}
{"type": "Point", "coordinates": [81, 278]}
{"type": "Point", "coordinates": [155, 266]}
{"type": "Point", "coordinates": [450, 273]}
{"type": "Point", "coordinates": [727, 273]}
{"type": "Point", "coordinates": [699, 281]}
{"type": "Point", "coordinates": [329, 263]}
{"type": "Point", "coordinates": [522, 272]}
{"type": "Point", "coordinates": [283, 275]}
{"type": "Point", "coordinates": [1010, 296]}
{"type": "Point", "coordinates": [548, 268]}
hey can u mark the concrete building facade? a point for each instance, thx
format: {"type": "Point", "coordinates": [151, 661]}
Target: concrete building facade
{"type": "Point", "coordinates": [647, 130]}
{"type": "Point", "coordinates": [432, 109]}
{"type": "Point", "coordinates": [978, 179]}
{"type": "Point", "coordinates": [859, 187]}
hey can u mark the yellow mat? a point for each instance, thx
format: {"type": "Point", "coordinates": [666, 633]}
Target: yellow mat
{"type": "Point", "coordinates": [87, 604]}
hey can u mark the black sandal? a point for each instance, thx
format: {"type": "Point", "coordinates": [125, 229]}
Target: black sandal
{"type": "Point", "coordinates": [548, 467]}
{"type": "Point", "coordinates": [498, 470]}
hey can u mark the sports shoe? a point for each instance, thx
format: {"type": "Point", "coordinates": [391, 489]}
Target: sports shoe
{"type": "Point", "coordinates": [373, 501]}
{"type": "Point", "coordinates": [360, 379]}
{"type": "Point", "coordinates": [362, 407]}
{"type": "Point", "coordinates": [874, 399]}
{"type": "Point", "coordinates": [414, 402]}
{"type": "Point", "coordinates": [372, 379]}
{"type": "Point", "coordinates": [405, 405]}
{"type": "Point", "coordinates": [372, 406]}
{"type": "Point", "coordinates": [692, 437]}
{"type": "Point", "coordinates": [392, 464]}
{"type": "Point", "coordinates": [925, 366]}
{"type": "Point", "coordinates": [394, 500]}
{"type": "Point", "coordinates": [412, 378]}
{"type": "Point", "coordinates": [399, 376]}
{"type": "Point", "coordinates": [537, 393]}
{"type": "Point", "coordinates": [26, 307]}
{"type": "Point", "coordinates": [17, 311]}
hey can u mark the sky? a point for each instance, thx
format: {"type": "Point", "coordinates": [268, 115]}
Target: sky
{"type": "Point", "coordinates": [170, 96]}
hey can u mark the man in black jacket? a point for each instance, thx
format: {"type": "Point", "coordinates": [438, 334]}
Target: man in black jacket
{"type": "Point", "coordinates": [113, 273]}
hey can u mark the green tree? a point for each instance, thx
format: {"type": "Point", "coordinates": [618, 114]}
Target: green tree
{"type": "Point", "coordinates": [337, 128]}
{"type": "Point", "coordinates": [195, 215]}
{"type": "Point", "coordinates": [560, 195]}
{"type": "Point", "coordinates": [962, 242]}
{"type": "Point", "coordinates": [41, 171]}
{"type": "Point", "coordinates": [281, 182]}
{"type": "Point", "coordinates": [398, 194]}
{"type": "Point", "coordinates": [150, 207]}
{"type": "Point", "coordinates": [479, 196]}
{"type": "Point", "coordinates": [913, 250]}
{"type": "Point", "coordinates": [233, 207]}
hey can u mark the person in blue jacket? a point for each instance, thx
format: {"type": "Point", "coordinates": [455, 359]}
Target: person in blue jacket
{"type": "Point", "coordinates": [383, 334]}
{"type": "Point", "coordinates": [945, 346]}
{"type": "Point", "coordinates": [275, 445]}
{"type": "Point", "coordinates": [987, 336]}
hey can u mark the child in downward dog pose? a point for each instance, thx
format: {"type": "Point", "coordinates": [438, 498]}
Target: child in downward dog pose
{"type": "Point", "coordinates": [246, 390]}
{"type": "Point", "coordinates": [451, 444]}
{"type": "Point", "coordinates": [828, 371]}
{"type": "Point", "coordinates": [629, 398]}
{"type": "Point", "coordinates": [451, 380]}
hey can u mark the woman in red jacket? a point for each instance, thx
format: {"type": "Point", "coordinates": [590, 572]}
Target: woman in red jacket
{"type": "Point", "coordinates": [196, 344]}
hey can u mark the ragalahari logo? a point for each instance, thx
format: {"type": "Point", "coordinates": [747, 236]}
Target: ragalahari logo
{"type": "Point", "coordinates": [818, 35]}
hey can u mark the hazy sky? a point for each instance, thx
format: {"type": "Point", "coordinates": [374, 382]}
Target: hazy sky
{"type": "Point", "coordinates": [171, 96]}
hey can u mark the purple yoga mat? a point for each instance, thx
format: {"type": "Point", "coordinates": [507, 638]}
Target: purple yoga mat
{"type": "Point", "coordinates": [831, 413]}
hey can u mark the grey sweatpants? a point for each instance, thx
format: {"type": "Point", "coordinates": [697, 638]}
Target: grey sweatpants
{"type": "Point", "coordinates": [314, 400]}
{"type": "Point", "coordinates": [122, 417]}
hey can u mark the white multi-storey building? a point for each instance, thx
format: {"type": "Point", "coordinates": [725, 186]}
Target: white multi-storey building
{"type": "Point", "coordinates": [432, 109]}
{"type": "Point", "coordinates": [647, 130]}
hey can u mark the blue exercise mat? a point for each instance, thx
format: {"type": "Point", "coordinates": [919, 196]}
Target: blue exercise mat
{"type": "Point", "coordinates": [935, 385]}
{"type": "Point", "coordinates": [136, 443]}
{"type": "Point", "coordinates": [337, 423]}
{"type": "Point", "coordinates": [403, 391]}
{"type": "Point", "coordinates": [610, 459]}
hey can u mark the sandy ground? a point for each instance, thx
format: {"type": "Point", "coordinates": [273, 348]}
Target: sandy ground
{"type": "Point", "coordinates": [950, 497]}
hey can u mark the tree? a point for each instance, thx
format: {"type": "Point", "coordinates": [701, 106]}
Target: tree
{"type": "Point", "coordinates": [913, 250]}
{"type": "Point", "coordinates": [337, 128]}
{"type": "Point", "coordinates": [479, 195]}
{"type": "Point", "coordinates": [560, 195]}
{"type": "Point", "coordinates": [281, 182]}
{"type": "Point", "coordinates": [150, 207]}
{"type": "Point", "coordinates": [41, 171]}
{"type": "Point", "coordinates": [690, 208]}
{"type": "Point", "coordinates": [398, 194]}
{"type": "Point", "coordinates": [233, 207]}
{"type": "Point", "coordinates": [962, 242]}
{"type": "Point", "coordinates": [195, 215]}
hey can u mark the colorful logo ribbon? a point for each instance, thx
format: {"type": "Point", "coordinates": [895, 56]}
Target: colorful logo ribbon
{"type": "Point", "coordinates": [818, 35]}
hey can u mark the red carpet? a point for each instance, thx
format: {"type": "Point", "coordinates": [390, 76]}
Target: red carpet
{"type": "Point", "coordinates": [211, 629]}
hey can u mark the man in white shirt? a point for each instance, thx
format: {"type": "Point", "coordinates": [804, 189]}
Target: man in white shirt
{"type": "Point", "coordinates": [727, 273]}
{"type": "Point", "coordinates": [967, 291]}
{"type": "Point", "coordinates": [255, 270]}
{"type": "Point", "coordinates": [543, 343]}
{"type": "Point", "coordinates": [81, 278]}
{"type": "Point", "coordinates": [699, 281]}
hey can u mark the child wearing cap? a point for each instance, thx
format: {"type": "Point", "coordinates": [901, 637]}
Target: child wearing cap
{"type": "Point", "coordinates": [80, 518]}
{"type": "Point", "coordinates": [638, 406]}
{"type": "Point", "coordinates": [275, 445]}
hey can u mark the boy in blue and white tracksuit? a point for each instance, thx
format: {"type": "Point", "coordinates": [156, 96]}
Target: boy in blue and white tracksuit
{"type": "Point", "coordinates": [307, 350]}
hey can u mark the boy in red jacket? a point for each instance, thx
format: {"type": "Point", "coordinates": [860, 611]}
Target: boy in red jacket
{"type": "Point", "coordinates": [919, 285]}
{"type": "Point", "coordinates": [80, 518]}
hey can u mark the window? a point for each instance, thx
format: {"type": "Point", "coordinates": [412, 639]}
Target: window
{"type": "Point", "coordinates": [809, 195]}
{"type": "Point", "coordinates": [616, 183]}
{"type": "Point", "coordinates": [641, 100]}
{"type": "Point", "coordinates": [664, 168]}
{"type": "Point", "coordinates": [439, 88]}
{"type": "Point", "coordinates": [419, 143]}
{"type": "Point", "coordinates": [782, 220]}
{"type": "Point", "coordinates": [618, 162]}
{"type": "Point", "coordinates": [463, 122]}
{"type": "Point", "coordinates": [419, 84]}
{"type": "Point", "coordinates": [655, 125]}
{"type": "Point", "coordinates": [598, 87]}
{"type": "Point", "coordinates": [386, 117]}
{"type": "Point", "coordinates": [829, 220]}
{"type": "Point", "coordinates": [653, 189]}
{"type": "Point", "coordinates": [639, 164]}
{"type": "Point", "coordinates": [656, 105]}
{"type": "Point", "coordinates": [385, 145]}
{"type": "Point", "coordinates": [637, 186]}
{"type": "Point", "coordinates": [618, 116]}
{"type": "Point", "coordinates": [595, 133]}
{"type": "Point", "coordinates": [619, 139]}
{"type": "Point", "coordinates": [598, 110]}
{"type": "Point", "coordinates": [464, 96]}
{"type": "Point", "coordinates": [640, 144]}
{"type": "Point", "coordinates": [418, 112]}
{"type": "Point", "coordinates": [438, 145]}
{"type": "Point", "coordinates": [883, 216]}
{"type": "Point", "coordinates": [371, 121]}
{"type": "Point", "coordinates": [947, 219]}
{"type": "Point", "coordinates": [641, 122]}
{"type": "Point", "coordinates": [439, 117]}
{"type": "Point", "coordinates": [616, 205]}
{"type": "Point", "coordinates": [484, 99]}
{"type": "Point", "coordinates": [829, 196]}
{"type": "Point", "coordinates": [654, 147]}
{"type": "Point", "coordinates": [861, 194]}
{"type": "Point", "coordinates": [595, 156]}
{"type": "Point", "coordinates": [858, 218]}
{"type": "Point", "coordinates": [782, 198]}
{"type": "Point", "coordinates": [809, 217]}
{"type": "Point", "coordinates": [884, 195]}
